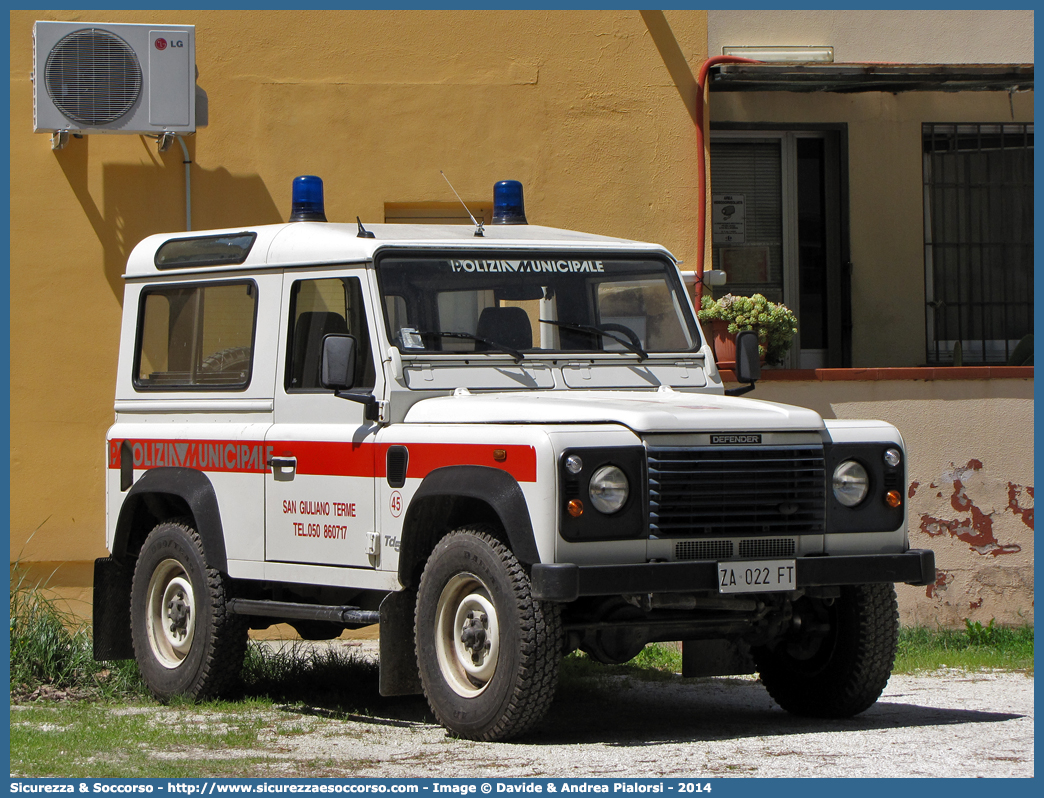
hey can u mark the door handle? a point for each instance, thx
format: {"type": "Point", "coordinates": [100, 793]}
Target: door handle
{"type": "Point", "coordinates": [281, 463]}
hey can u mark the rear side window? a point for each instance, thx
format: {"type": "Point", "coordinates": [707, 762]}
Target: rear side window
{"type": "Point", "coordinates": [196, 337]}
{"type": "Point", "coordinates": [179, 253]}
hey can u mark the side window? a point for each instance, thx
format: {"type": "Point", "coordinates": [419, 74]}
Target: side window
{"type": "Point", "coordinates": [197, 337]}
{"type": "Point", "coordinates": [319, 308]}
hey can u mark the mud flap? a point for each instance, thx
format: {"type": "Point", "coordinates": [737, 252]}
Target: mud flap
{"type": "Point", "coordinates": [399, 674]}
{"type": "Point", "coordinates": [112, 627]}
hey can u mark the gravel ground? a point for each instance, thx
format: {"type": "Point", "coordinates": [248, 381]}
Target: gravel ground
{"type": "Point", "coordinates": [947, 724]}
{"type": "Point", "coordinates": [924, 726]}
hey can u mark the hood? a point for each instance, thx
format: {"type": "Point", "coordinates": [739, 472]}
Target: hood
{"type": "Point", "coordinates": [660, 411]}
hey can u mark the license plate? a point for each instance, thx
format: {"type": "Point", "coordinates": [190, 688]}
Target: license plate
{"type": "Point", "coordinates": [756, 576]}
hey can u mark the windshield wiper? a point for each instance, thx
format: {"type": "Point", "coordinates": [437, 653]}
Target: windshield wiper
{"type": "Point", "coordinates": [630, 342]}
{"type": "Point", "coordinates": [507, 350]}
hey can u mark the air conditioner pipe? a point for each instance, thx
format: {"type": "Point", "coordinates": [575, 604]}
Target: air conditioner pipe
{"type": "Point", "coordinates": [188, 184]}
{"type": "Point", "coordinates": [701, 106]}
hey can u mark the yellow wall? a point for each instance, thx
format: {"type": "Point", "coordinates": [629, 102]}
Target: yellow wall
{"type": "Point", "coordinates": [885, 193]}
{"type": "Point", "coordinates": [578, 105]}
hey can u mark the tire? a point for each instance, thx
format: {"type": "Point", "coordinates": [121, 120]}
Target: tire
{"type": "Point", "coordinates": [487, 652]}
{"type": "Point", "coordinates": [185, 640]}
{"type": "Point", "coordinates": [842, 668]}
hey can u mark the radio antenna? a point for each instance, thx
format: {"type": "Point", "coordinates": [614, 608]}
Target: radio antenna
{"type": "Point", "coordinates": [478, 224]}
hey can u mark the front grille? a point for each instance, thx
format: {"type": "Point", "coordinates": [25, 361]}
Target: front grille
{"type": "Point", "coordinates": [736, 491]}
{"type": "Point", "coordinates": [767, 547]}
{"type": "Point", "coordinates": [703, 550]}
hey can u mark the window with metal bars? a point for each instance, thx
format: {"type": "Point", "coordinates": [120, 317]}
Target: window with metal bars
{"type": "Point", "coordinates": [978, 242]}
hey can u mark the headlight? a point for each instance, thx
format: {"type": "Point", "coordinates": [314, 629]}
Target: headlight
{"type": "Point", "coordinates": [850, 483]}
{"type": "Point", "coordinates": [608, 489]}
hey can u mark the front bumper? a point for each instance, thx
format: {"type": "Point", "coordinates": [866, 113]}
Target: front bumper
{"type": "Point", "coordinates": [568, 582]}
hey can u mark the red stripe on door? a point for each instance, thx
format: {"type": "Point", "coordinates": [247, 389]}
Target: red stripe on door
{"type": "Point", "coordinates": [327, 459]}
{"type": "Point", "coordinates": [519, 461]}
{"type": "Point", "coordinates": [324, 458]}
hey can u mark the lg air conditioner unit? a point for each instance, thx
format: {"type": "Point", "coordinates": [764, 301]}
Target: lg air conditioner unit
{"type": "Point", "coordinates": [101, 78]}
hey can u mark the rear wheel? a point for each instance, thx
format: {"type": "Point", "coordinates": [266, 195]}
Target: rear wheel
{"type": "Point", "coordinates": [487, 652]}
{"type": "Point", "coordinates": [185, 640]}
{"type": "Point", "coordinates": [839, 656]}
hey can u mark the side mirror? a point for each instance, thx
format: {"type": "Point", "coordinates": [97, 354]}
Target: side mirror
{"type": "Point", "coordinates": [748, 359]}
{"type": "Point", "coordinates": [748, 362]}
{"type": "Point", "coordinates": [337, 369]}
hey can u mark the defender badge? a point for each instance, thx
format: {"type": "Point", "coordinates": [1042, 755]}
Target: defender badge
{"type": "Point", "coordinates": [745, 439]}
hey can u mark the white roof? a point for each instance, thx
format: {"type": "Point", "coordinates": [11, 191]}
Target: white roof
{"type": "Point", "coordinates": [311, 243]}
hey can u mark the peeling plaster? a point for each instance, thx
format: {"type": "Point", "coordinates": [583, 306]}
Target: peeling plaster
{"type": "Point", "coordinates": [975, 497]}
{"type": "Point", "coordinates": [1023, 510]}
{"type": "Point", "coordinates": [975, 432]}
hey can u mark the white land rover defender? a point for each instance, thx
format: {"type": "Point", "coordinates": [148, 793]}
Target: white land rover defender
{"type": "Point", "coordinates": [501, 445]}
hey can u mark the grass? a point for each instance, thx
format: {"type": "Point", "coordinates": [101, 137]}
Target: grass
{"type": "Point", "coordinates": [579, 674]}
{"type": "Point", "coordinates": [299, 673]}
{"type": "Point", "coordinates": [52, 654]}
{"type": "Point", "coordinates": [103, 740]}
{"type": "Point", "coordinates": [975, 647]}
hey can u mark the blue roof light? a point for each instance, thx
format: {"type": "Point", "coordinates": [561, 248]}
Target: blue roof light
{"type": "Point", "coordinates": [307, 200]}
{"type": "Point", "coordinates": [508, 205]}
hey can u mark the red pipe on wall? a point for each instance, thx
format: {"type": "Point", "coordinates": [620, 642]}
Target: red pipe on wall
{"type": "Point", "coordinates": [701, 226]}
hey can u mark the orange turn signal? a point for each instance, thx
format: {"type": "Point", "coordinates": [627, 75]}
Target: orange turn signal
{"type": "Point", "coordinates": [893, 498]}
{"type": "Point", "coordinates": [575, 508]}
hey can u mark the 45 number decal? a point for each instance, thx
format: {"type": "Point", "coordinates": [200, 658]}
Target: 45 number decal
{"type": "Point", "coordinates": [395, 504]}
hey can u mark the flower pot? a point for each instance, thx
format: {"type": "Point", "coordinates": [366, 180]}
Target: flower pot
{"type": "Point", "coordinates": [724, 344]}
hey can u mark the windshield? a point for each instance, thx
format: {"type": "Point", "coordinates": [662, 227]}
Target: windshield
{"type": "Point", "coordinates": [530, 305]}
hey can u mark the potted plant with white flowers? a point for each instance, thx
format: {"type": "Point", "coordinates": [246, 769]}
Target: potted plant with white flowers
{"type": "Point", "coordinates": [774, 323]}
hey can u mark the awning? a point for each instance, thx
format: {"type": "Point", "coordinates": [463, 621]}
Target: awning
{"type": "Point", "coordinates": [847, 78]}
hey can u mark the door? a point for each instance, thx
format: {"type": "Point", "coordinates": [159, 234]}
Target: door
{"type": "Point", "coordinates": [320, 489]}
{"type": "Point", "coordinates": [777, 230]}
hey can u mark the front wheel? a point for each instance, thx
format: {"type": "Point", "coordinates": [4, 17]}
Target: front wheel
{"type": "Point", "coordinates": [487, 652]}
{"type": "Point", "coordinates": [185, 640]}
{"type": "Point", "coordinates": [838, 657]}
